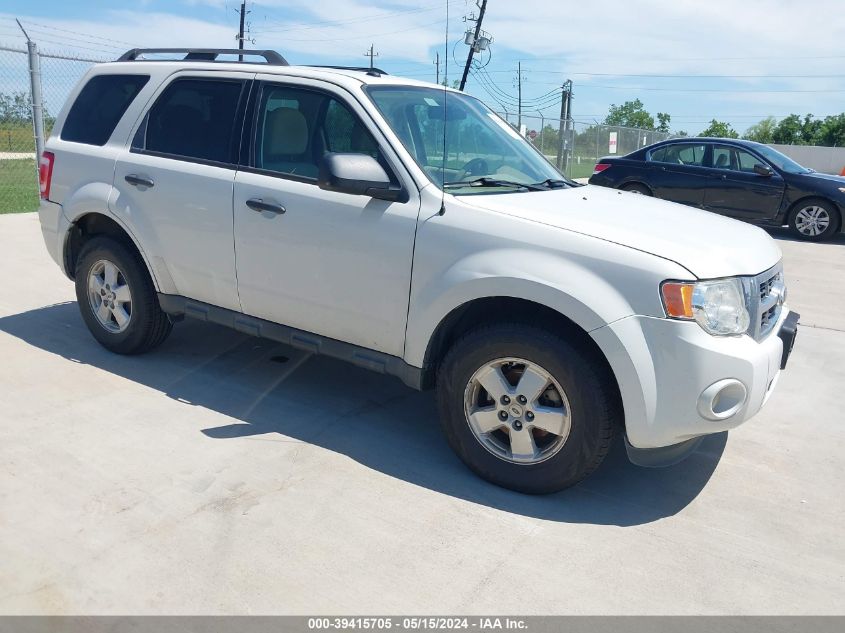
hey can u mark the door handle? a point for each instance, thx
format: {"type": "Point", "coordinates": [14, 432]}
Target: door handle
{"type": "Point", "coordinates": [257, 204]}
{"type": "Point", "coordinates": [139, 181]}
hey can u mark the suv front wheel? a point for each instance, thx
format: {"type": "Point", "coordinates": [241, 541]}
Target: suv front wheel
{"type": "Point", "coordinates": [526, 409]}
{"type": "Point", "coordinates": [117, 299]}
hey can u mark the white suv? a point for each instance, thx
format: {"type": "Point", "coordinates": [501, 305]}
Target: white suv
{"type": "Point", "coordinates": [407, 229]}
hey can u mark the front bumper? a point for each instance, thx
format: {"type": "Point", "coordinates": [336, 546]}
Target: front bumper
{"type": "Point", "coordinates": [672, 375]}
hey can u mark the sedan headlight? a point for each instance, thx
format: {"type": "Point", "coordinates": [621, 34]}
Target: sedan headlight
{"type": "Point", "coordinates": [718, 306]}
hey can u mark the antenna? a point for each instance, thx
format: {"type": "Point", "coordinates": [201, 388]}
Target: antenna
{"type": "Point", "coordinates": [445, 96]}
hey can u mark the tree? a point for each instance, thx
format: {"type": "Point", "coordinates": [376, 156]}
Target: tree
{"type": "Point", "coordinates": [630, 114]}
{"type": "Point", "coordinates": [762, 131]}
{"type": "Point", "coordinates": [810, 129]}
{"type": "Point", "coordinates": [719, 129]}
{"type": "Point", "coordinates": [663, 121]}
{"type": "Point", "coordinates": [550, 138]}
{"type": "Point", "coordinates": [831, 132]}
{"type": "Point", "coordinates": [15, 108]}
{"type": "Point", "coordinates": [788, 131]}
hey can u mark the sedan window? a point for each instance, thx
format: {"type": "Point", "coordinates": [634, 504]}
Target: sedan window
{"type": "Point", "coordinates": [680, 154]}
{"type": "Point", "coordinates": [734, 159]}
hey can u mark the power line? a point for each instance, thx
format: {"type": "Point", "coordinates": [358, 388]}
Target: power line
{"type": "Point", "coordinates": [328, 23]}
{"type": "Point", "coordinates": [681, 76]}
{"type": "Point", "coordinates": [78, 39]}
{"type": "Point", "coordinates": [633, 88]}
{"type": "Point", "coordinates": [486, 82]}
{"type": "Point", "coordinates": [55, 28]}
{"type": "Point", "coordinates": [668, 59]}
{"type": "Point", "coordinates": [365, 36]}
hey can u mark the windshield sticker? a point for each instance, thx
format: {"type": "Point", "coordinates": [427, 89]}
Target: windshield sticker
{"type": "Point", "coordinates": [505, 126]}
{"type": "Point", "coordinates": [431, 101]}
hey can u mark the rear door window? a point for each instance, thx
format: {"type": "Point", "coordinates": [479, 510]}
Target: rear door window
{"type": "Point", "coordinates": [684, 154]}
{"type": "Point", "coordinates": [194, 119]}
{"type": "Point", "coordinates": [99, 106]}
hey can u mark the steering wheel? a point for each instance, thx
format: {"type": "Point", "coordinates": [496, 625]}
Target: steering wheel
{"type": "Point", "coordinates": [476, 167]}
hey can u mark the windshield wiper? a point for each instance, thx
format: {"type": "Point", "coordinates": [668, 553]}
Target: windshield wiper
{"type": "Point", "coordinates": [555, 183]}
{"type": "Point", "coordinates": [493, 182]}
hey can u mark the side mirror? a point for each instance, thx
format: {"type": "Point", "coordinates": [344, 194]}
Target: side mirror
{"type": "Point", "coordinates": [763, 170]}
{"type": "Point", "coordinates": [356, 174]}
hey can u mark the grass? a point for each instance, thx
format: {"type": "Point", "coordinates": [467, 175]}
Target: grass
{"type": "Point", "coordinates": [18, 186]}
{"type": "Point", "coordinates": [16, 139]}
{"type": "Point", "coordinates": [584, 170]}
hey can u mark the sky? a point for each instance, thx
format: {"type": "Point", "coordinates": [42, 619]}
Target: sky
{"type": "Point", "coordinates": [733, 60]}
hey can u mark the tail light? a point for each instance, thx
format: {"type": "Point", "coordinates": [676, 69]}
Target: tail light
{"type": "Point", "coordinates": [45, 173]}
{"type": "Point", "coordinates": [600, 167]}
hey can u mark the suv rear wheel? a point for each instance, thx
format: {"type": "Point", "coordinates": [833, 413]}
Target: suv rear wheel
{"type": "Point", "coordinates": [117, 299]}
{"type": "Point", "coordinates": [525, 408]}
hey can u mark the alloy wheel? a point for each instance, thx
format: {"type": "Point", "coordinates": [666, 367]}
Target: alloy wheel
{"type": "Point", "coordinates": [109, 296]}
{"type": "Point", "coordinates": [812, 221]}
{"type": "Point", "coordinates": [517, 410]}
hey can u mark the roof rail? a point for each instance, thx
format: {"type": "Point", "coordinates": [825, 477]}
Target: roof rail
{"type": "Point", "coordinates": [204, 54]}
{"type": "Point", "coordinates": [362, 69]}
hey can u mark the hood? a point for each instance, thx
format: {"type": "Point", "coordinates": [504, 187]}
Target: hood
{"type": "Point", "coordinates": [706, 244]}
{"type": "Point", "coordinates": [836, 181]}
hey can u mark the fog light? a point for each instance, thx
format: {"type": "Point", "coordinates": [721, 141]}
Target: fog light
{"type": "Point", "coordinates": [722, 399]}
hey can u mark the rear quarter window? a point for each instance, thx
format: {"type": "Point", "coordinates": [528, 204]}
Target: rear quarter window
{"type": "Point", "coordinates": [99, 107]}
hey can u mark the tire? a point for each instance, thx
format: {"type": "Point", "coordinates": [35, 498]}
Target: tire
{"type": "Point", "coordinates": [130, 327]}
{"type": "Point", "coordinates": [637, 188]}
{"type": "Point", "coordinates": [814, 220]}
{"type": "Point", "coordinates": [589, 396]}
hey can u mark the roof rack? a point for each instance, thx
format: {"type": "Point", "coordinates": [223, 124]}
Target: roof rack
{"type": "Point", "coordinates": [204, 54]}
{"type": "Point", "coordinates": [361, 69]}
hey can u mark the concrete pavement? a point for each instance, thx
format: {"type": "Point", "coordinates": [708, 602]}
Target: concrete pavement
{"type": "Point", "coordinates": [225, 474]}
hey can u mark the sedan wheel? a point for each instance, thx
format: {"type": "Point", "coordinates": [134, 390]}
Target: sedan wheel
{"type": "Point", "coordinates": [814, 220]}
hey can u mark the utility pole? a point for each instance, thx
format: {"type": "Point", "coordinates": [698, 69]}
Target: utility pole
{"type": "Point", "coordinates": [542, 129]}
{"type": "Point", "coordinates": [241, 30]}
{"type": "Point", "coordinates": [519, 102]}
{"type": "Point", "coordinates": [437, 63]}
{"type": "Point", "coordinates": [370, 54]}
{"type": "Point", "coordinates": [472, 46]}
{"type": "Point", "coordinates": [563, 129]}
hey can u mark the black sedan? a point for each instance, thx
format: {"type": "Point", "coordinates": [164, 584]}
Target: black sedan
{"type": "Point", "coordinates": [745, 180]}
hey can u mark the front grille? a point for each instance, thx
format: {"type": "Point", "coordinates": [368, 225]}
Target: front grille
{"type": "Point", "coordinates": [766, 288]}
{"type": "Point", "coordinates": [766, 302]}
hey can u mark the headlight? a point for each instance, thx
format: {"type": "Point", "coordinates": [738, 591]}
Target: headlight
{"type": "Point", "coordinates": [718, 306]}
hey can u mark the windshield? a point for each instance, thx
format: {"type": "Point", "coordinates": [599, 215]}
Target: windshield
{"type": "Point", "coordinates": [784, 163]}
{"type": "Point", "coordinates": [481, 148]}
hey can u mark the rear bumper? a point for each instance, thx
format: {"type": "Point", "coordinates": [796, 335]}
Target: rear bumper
{"type": "Point", "coordinates": [679, 383]}
{"type": "Point", "coordinates": [54, 229]}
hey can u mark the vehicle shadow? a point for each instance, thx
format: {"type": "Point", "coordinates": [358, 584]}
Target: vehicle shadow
{"type": "Point", "coordinates": [269, 388]}
{"type": "Point", "coordinates": [785, 235]}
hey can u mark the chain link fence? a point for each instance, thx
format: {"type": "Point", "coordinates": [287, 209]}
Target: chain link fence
{"type": "Point", "coordinates": [58, 75]}
{"type": "Point", "coordinates": [575, 148]}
